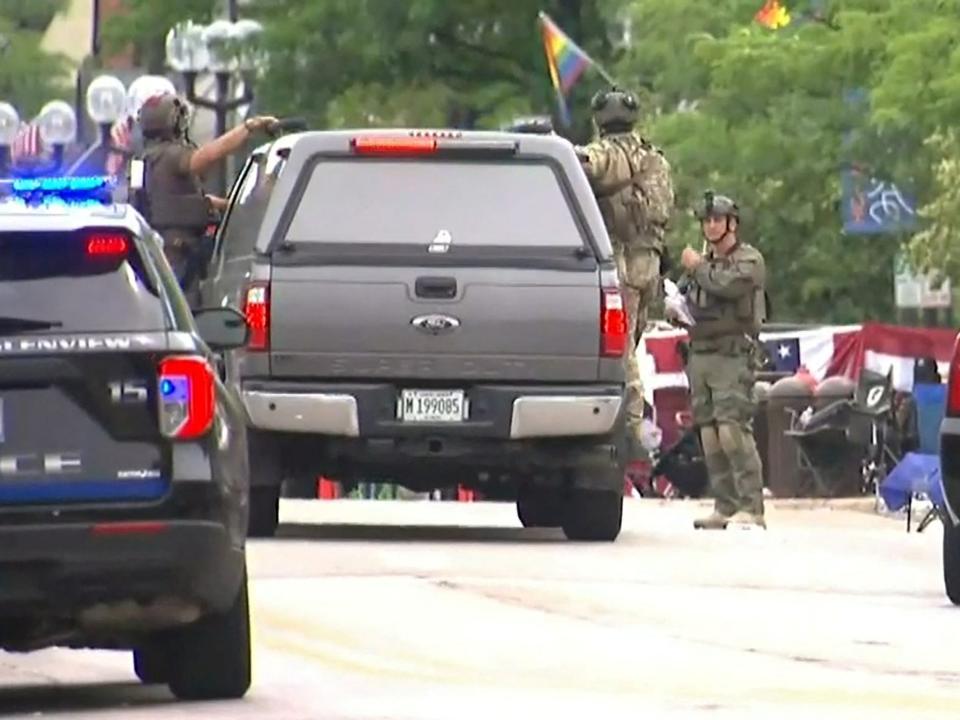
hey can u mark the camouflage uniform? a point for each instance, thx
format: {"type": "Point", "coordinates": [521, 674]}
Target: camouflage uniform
{"type": "Point", "coordinates": [632, 182]}
{"type": "Point", "coordinates": [727, 298]}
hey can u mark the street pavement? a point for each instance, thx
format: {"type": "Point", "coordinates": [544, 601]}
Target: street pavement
{"type": "Point", "coordinates": [428, 610]}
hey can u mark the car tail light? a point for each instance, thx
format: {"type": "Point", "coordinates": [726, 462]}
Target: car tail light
{"type": "Point", "coordinates": [394, 145]}
{"type": "Point", "coordinates": [138, 527]}
{"type": "Point", "coordinates": [953, 386]}
{"type": "Point", "coordinates": [613, 323]}
{"type": "Point", "coordinates": [186, 393]}
{"type": "Point", "coordinates": [109, 244]}
{"type": "Point", "coordinates": [256, 308]}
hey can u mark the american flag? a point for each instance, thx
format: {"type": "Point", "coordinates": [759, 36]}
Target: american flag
{"type": "Point", "coordinates": [121, 136]}
{"type": "Point", "coordinates": [27, 144]}
{"type": "Point", "coordinates": [824, 351]}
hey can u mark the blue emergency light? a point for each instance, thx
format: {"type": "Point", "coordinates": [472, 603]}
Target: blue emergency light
{"type": "Point", "coordinates": [60, 192]}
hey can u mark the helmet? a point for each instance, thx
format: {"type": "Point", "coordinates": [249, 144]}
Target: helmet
{"type": "Point", "coordinates": [163, 116]}
{"type": "Point", "coordinates": [615, 108]}
{"type": "Point", "coordinates": [717, 206]}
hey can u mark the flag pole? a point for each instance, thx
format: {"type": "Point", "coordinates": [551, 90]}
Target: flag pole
{"type": "Point", "coordinates": [546, 19]}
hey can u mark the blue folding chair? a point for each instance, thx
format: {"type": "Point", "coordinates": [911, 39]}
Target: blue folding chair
{"type": "Point", "coordinates": [918, 473]}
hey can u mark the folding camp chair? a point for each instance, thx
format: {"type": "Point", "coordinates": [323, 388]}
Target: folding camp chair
{"type": "Point", "coordinates": [848, 436]}
{"type": "Point", "coordinates": [918, 473]}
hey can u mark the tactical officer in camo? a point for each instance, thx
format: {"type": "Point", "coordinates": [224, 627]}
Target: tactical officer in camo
{"type": "Point", "coordinates": [726, 296]}
{"type": "Point", "coordinates": [632, 182]}
{"type": "Point", "coordinates": [173, 201]}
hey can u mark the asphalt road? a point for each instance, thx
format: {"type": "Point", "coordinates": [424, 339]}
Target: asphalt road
{"type": "Point", "coordinates": [450, 610]}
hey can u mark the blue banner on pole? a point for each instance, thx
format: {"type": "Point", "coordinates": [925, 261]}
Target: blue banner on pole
{"type": "Point", "coordinates": [875, 207]}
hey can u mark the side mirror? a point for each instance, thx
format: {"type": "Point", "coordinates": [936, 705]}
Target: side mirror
{"type": "Point", "coordinates": [222, 328]}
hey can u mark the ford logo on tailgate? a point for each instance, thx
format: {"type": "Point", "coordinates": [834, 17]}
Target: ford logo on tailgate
{"type": "Point", "coordinates": [435, 324]}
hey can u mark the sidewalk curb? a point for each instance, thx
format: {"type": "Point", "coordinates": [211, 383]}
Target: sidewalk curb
{"type": "Point", "coordinates": [855, 504]}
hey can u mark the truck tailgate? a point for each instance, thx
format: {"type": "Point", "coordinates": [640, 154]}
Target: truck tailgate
{"type": "Point", "coordinates": [481, 323]}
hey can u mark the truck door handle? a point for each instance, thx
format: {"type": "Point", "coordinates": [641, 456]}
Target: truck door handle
{"type": "Point", "coordinates": [436, 287]}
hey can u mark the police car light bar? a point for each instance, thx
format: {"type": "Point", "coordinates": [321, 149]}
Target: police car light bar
{"type": "Point", "coordinates": [58, 192]}
{"type": "Point", "coordinates": [60, 184]}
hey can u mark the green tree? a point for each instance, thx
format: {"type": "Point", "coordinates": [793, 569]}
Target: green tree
{"type": "Point", "coordinates": [474, 63]}
{"type": "Point", "coordinates": [34, 15]}
{"type": "Point", "coordinates": [29, 76]}
{"type": "Point", "coordinates": [772, 127]}
{"type": "Point", "coordinates": [145, 23]}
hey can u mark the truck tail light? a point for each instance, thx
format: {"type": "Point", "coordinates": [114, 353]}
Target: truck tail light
{"type": "Point", "coordinates": [953, 382]}
{"type": "Point", "coordinates": [394, 145]}
{"type": "Point", "coordinates": [256, 308]}
{"type": "Point", "coordinates": [613, 323]}
{"type": "Point", "coordinates": [186, 395]}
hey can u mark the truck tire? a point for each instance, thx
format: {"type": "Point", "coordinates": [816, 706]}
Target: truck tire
{"type": "Point", "coordinates": [264, 511]}
{"type": "Point", "coordinates": [593, 515]}
{"type": "Point", "coordinates": [951, 562]}
{"type": "Point", "coordinates": [266, 476]}
{"type": "Point", "coordinates": [151, 664]}
{"type": "Point", "coordinates": [539, 507]}
{"type": "Point", "coordinates": [210, 659]}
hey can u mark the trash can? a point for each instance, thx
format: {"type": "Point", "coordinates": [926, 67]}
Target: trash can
{"type": "Point", "coordinates": [785, 474]}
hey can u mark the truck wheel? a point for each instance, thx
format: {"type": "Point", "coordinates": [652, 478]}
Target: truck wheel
{"type": "Point", "coordinates": [264, 511]}
{"type": "Point", "coordinates": [951, 562]}
{"type": "Point", "coordinates": [594, 515]}
{"type": "Point", "coordinates": [266, 476]}
{"type": "Point", "coordinates": [151, 664]}
{"type": "Point", "coordinates": [539, 507]}
{"type": "Point", "coordinates": [211, 657]}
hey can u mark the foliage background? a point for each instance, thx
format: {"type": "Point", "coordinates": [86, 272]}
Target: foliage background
{"type": "Point", "coordinates": [752, 112]}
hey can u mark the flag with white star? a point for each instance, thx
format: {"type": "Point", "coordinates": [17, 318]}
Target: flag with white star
{"type": "Point", "coordinates": [785, 353]}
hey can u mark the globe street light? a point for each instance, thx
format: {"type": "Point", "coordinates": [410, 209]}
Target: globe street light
{"type": "Point", "coordinates": [9, 126]}
{"type": "Point", "coordinates": [106, 100]}
{"type": "Point", "coordinates": [57, 123]}
{"type": "Point", "coordinates": [144, 87]}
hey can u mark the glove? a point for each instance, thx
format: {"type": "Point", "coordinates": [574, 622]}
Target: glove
{"type": "Point", "coordinates": [261, 122]}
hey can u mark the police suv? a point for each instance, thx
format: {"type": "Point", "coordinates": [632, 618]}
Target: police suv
{"type": "Point", "coordinates": [123, 459]}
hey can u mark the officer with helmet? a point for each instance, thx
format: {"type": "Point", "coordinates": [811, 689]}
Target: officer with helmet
{"type": "Point", "coordinates": [172, 199]}
{"type": "Point", "coordinates": [632, 182]}
{"type": "Point", "coordinates": [726, 296]}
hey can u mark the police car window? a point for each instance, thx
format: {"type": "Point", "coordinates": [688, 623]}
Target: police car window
{"type": "Point", "coordinates": [411, 202]}
{"type": "Point", "coordinates": [61, 279]}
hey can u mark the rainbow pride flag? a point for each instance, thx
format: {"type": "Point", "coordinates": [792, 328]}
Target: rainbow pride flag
{"type": "Point", "coordinates": [773, 15]}
{"type": "Point", "coordinates": [566, 61]}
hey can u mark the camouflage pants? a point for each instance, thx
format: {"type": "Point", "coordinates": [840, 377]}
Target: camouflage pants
{"type": "Point", "coordinates": [181, 254]}
{"type": "Point", "coordinates": [723, 407]}
{"type": "Point", "coordinates": [641, 284]}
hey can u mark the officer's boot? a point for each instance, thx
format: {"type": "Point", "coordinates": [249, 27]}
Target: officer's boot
{"type": "Point", "coordinates": [713, 521]}
{"type": "Point", "coordinates": [747, 521]}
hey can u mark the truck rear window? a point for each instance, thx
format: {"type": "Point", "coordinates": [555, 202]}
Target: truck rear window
{"type": "Point", "coordinates": [58, 278]}
{"type": "Point", "coordinates": [403, 202]}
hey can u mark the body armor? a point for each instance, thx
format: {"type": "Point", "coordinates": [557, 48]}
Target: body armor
{"type": "Point", "coordinates": [717, 316]}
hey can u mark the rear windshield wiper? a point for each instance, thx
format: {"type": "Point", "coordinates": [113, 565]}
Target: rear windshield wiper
{"type": "Point", "coordinates": [10, 324]}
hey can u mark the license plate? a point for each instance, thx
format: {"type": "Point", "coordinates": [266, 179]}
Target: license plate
{"type": "Point", "coordinates": [432, 406]}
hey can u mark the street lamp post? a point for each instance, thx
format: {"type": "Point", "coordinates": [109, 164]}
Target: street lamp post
{"type": "Point", "coordinates": [222, 48]}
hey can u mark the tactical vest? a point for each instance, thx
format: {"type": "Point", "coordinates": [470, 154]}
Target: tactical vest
{"type": "Point", "coordinates": [165, 209]}
{"type": "Point", "coordinates": [718, 317]}
{"type": "Point", "coordinates": [622, 205]}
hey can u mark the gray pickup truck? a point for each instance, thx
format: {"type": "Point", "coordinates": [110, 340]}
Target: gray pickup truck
{"type": "Point", "coordinates": [427, 308]}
